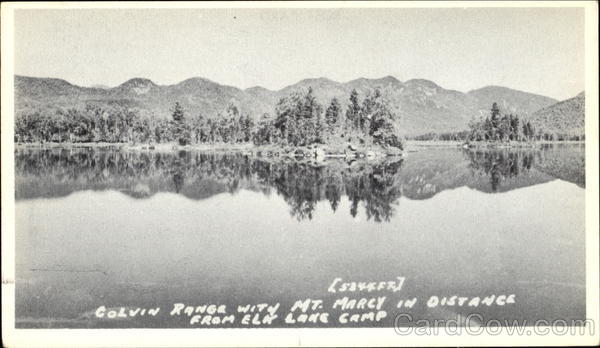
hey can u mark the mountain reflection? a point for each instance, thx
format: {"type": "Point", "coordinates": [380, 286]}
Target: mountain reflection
{"type": "Point", "coordinates": [373, 186]}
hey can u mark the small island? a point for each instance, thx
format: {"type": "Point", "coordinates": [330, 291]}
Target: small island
{"type": "Point", "coordinates": [562, 122]}
{"type": "Point", "coordinates": [503, 130]}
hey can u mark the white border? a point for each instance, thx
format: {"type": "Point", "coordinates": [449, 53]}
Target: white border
{"type": "Point", "coordinates": [285, 337]}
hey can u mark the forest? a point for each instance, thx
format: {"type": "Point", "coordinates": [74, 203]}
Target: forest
{"type": "Point", "coordinates": [299, 120]}
{"type": "Point", "coordinates": [500, 127]}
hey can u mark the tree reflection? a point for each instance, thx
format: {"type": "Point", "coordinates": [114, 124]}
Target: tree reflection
{"type": "Point", "coordinates": [302, 184]}
{"type": "Point", "coordinates": [373, 188]}
{"type": "Point", "coordinates": [500, 165]}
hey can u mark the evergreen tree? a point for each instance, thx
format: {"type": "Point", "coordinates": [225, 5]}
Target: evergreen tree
{"type": "Point", "coordinates": [514, 127]}
{"type": "Point", "coordinates": [381, 121]}
{"type": "Point", "coordinates": [248, 128]}
{"type": "Point", "coordinates": [504, 128]}
{"type": "Point", "coordinates": [332, 116]}
{"type": "Point", "coordinates": [353, 111]}
{"type": "Point", "coordinates": [286, 112]}
{"type": "Point", "coordinates": [495, 121]}
{"type": "Point", "coordinates": [367, 110]}
{"type": "Point", "coordinates": [178, 114]}
{"type": "Point", "coordinates": [530, 131]}
{"type": "Point", "coordinates": [265, 131]}
{"type": "Point", "coordinates": [179, 128]}
{"type": "Point", "coordinates": [197, 128]}
{"type": "Point", "coordinates": [310, 119]}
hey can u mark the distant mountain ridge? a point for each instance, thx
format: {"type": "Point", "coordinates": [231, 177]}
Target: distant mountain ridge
{"type": "Point", "coordinates": [521, 103]}
{"type": "Point", "coordinates": [423, 106]}
{"type": "Point", "coordinates": [565, 117]}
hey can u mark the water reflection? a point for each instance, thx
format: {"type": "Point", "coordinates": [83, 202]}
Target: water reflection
{"type": "Point", "coordinates": [500, 165]}
{"type": "Point", "coordinates": [556, 161]}
{"type": "Point", "coordinates": [373, 186]}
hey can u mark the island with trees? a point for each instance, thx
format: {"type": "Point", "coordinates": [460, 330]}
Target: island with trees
{"type": "Point", "coordinates": [507, 130]}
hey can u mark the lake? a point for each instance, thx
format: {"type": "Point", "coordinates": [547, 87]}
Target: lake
{"type": "Point", "coordinates": [117, 228]}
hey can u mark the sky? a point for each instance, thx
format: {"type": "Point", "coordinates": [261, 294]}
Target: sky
{"type": "Point", "coordinates": [538, 50]}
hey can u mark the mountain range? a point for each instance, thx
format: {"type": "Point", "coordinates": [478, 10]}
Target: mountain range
{"type": "Point", "coordinates": [422, 105]}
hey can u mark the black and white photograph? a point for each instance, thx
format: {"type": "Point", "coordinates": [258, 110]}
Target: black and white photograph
{"type": "Point", "coordinates": [401, 171]}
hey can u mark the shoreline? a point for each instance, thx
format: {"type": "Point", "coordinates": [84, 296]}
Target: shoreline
{"type": "Point", "coordinates": [318, 151]}
{"type": "Point", "coordinates": [314, 150]}
{"type": "Point", "coordinates": [417, 145]}
{"type": "Point", "coordinates": [517, 144]}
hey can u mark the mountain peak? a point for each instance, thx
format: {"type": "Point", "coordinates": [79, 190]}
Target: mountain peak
{"type": "Point", "coordinates": [500, 91]}
{"type": "Point", "coordinates": [43, 87]}
{"type": "Point", "coordinates": [137, 86]}
{"type": "Point", "coordinates": [490, 88]}
{"type": "Point", "coordinates": [195, 80]}
{"type": "Point", "coordinates": [385, 79]}
{"type": "Point", "coordinates": [317, 80]}
{"type": "Point", "coordinates": [200, 84]}
{"type": "Point", "coordinates": [47, 80]}
{"type": "Point", "coordinates": [422, 82]}
{"type": "Point", "coordinates": [138, 81]}
{"type": "Point", "coordinates": [389, 78]}
{"type": "Point", "coordinates": [257, 89]}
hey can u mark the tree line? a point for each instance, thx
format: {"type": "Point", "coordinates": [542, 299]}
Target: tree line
{"type": "Point", "coordinates": [508, 127]}
{"type": "Point", "coordinates": [299, 120]}
{"type": "Point", "coordinates": [498, 127]}
{"type": "Point", "coordinates": [443, 136]}
{"type": "Point", "coordinates": [119, 124]}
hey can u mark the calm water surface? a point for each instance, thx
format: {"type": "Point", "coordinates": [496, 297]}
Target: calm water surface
{"type": "Point", "coordinates": [117, 228]}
